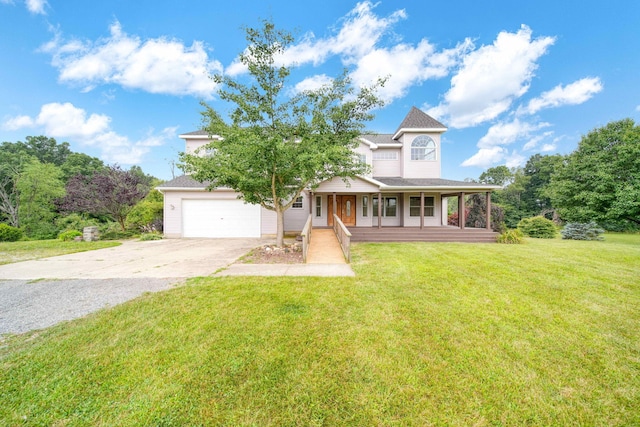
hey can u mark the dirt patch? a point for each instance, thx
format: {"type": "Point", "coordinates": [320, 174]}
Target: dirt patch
{"type": "Point", "coordinates": [271, 254]}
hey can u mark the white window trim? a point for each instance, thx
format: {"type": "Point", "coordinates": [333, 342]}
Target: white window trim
{"type": "Point", "coordinates": [299, 201]}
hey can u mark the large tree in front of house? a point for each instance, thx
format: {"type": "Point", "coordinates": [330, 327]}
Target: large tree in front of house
{"type": "Point", "coordinates": [275, 146]}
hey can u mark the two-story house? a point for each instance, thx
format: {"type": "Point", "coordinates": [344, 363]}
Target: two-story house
{"type": "Point", "coordinates": [404, 190]}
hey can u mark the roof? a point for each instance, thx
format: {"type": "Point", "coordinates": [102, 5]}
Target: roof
{"type": "Point", "coordinates": [417, 119]}
{"type": "Point", "coordinates": [432, 183]}
{"type": "Point", "coordinates": [379, 138]}
{"type": "Point", "coordinates": [184, 181]}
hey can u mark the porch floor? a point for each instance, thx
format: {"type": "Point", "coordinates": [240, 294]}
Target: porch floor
{"type": "Point", "coordinates": [427, 234]}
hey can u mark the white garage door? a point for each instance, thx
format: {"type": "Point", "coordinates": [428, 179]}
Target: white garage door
{"type": "Point", "coordinates": [220, 218]}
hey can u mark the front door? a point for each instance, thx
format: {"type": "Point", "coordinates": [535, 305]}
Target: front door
{"type": "Point", "coordinates": [345, 209]}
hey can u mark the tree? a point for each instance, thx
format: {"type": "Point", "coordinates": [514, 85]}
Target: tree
{"type": "Point", "coordinates": [111, 191]}
{"type": "Point", "coordinates": [499, 175]}
{"type": "Point", "coordinates": [80, 164]}
{"type": "Point", "coordinates": [38, 186]}
{"type": "Point", "coordinates": [535, 196]}
{"type": "Point", "coordinates": [276, 147]}
{"type": "Point", "coordinates": [600, 180]}
{"type": "Point", "coordinates": [46, 150]}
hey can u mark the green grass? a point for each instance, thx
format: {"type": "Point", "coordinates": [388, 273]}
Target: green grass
{"type": "Point", "coordinates": [24, 251]}
{"type": "Point", "coordinates": [541, 334]}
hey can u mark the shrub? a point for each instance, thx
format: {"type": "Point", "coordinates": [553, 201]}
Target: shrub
{"type": "Point", "coordinates": [150, 236]}
{"type": "Point", "coordinates": [9, 233]}
{"type": "Point", "coordinates": [582, 231]}
{"type": "Point", "coordinates": [514, 236]}
{"type": "Point", "coordinates": [68, 235]}
{"type": "Point", "coordinates": [75, 221]}
{"type": "Point", "coordinates": [538, 227]}
{"type": "Point", "coordinates": [113, 231]}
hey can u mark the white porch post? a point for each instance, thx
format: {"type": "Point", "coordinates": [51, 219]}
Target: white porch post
{"type": "Point", "coordinates": [461, 216]}
{"type": "Point", "coordinates": [421, 209]}
{"type": "Point", "coordinates": [488, 196]}
{"type": "Point", "coordinates": [379, 210]}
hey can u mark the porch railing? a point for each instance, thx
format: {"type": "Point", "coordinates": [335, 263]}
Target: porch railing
{"type": "Point", "coordinates": [306, 238]}
{"type": "Point", "coordinates": [344, 237]}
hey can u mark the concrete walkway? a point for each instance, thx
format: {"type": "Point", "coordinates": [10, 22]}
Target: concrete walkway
{"type": "Point", "coordinates": [324, 259]}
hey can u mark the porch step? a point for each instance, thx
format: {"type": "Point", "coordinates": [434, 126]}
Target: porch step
{"type": "Point", "coordinates": [427, 234]}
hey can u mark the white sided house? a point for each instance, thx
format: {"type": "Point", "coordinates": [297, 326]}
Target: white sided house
{"type": "Point", "coordinates": [404, 193]}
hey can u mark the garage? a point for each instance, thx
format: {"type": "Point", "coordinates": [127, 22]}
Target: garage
{"type": "Point", "coordinates": [220, 218]}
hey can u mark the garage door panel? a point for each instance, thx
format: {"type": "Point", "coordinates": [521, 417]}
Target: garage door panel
{"type": "Point", "coordinates": [220, 218]}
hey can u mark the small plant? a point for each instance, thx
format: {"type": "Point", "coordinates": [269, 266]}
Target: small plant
{"type": "Point", "coordinates": [69, 235]}
{"type": "Point", "coordinates": [582, 231]}
{"type": "Point", "coordinates": [150, 236]}
{"type": "Point", "coordinates": [514, 236]}
{"type": "Point", "coordinates": [538, 227]}
{"type": "Point", "coordinates": [9, 233]}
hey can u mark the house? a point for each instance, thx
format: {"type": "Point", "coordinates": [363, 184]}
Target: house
{"type": "Point", "coordinates": [403, 191]}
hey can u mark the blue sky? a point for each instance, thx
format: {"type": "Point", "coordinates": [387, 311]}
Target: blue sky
{"type": "Point", "coordinates": [120, 80]}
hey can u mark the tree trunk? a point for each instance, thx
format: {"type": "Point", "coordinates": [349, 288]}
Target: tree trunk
{"type": "Point", "coordinates": [280, 227]}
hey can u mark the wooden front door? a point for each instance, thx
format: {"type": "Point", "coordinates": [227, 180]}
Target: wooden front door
{"type": "Point", "coordinates": [346, 209]}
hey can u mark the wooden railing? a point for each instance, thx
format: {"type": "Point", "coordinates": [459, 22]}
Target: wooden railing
{"type": "Point", "coordinates": [344, 237]}
{"type": "Point", "coordinates": [306, 238]}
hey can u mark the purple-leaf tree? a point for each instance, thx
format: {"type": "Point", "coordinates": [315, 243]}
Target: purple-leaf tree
{"type": "Point", "coordinates": [112, 192]}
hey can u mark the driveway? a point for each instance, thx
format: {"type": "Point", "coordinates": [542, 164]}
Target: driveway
{"type": "Point", "coordinates": [167, 258]}
{"type": "Point", "coordinates": [40, 293]}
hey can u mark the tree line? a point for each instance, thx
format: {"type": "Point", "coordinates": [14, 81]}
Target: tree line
{"type": "Point", "coordinates": [599, 181]}
{"type": "Point", "coordinates": [45, 189]}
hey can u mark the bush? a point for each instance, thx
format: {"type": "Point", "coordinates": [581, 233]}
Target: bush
{"type": "Point", "coordinates": [150, 236]}
{"type": "Point", "coordinates": [113, 231]}
{"type": "Point", "coordinates": [582, 231]}
{"type": "Point", "coordinates": [514, 236]}
{"type": "Point", "coordinates": [9, 233]}
{"type": "Point", "coordinates": [75, 221]}
{"type": "Point", "coordinates": [538, 227]}
{"type": "Point", "coordinates": [68, 235]}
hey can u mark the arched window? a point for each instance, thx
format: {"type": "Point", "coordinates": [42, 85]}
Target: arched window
{"type": "Point", "coordinates": [423, 148]}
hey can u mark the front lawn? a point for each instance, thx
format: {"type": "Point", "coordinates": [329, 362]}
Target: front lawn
{"type": "Point", "coordinates": [36, 249]}
{"type": "Point", "coordinates": [545, 333]}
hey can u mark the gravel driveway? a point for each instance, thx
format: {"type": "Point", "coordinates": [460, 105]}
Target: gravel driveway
{"type": "Point", "coordinates": [40, 293]}
{"type": "Point", "coordinates": [25, 305]}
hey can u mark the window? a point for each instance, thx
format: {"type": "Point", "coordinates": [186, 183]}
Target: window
{"type": "Point", "coordinates": [385, 155]}
{"type": "Point", "coordinates": [365, 205]}
{"type": "Point", "coordinates": [298, 203]}
{"type": "Point", "coordinates": [389, 206]}
{"type": "Point", "coordinates": [318, 206]}
{"type": "Point", "coordinates": [423, 148]}
{"type": "Point", "coordinates": [429, 206]}
{"type": "Point", "coordinates": [362, 158]}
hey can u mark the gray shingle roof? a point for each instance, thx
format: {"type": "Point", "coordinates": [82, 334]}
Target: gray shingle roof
{"type": "Point", "coordinates": [380, 138]}
{"type": "Point", "coordinates": [197, 133]}
{"type": "Point", "coordinates": [184, 181]}
{"type": "Point", "coordinates": [427, 182]}
{"type": "Point", "coordinates": [418, 119]}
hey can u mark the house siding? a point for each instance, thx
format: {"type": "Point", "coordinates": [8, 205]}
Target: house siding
{"type": "Point", "coordinates": [429, 221]}
{"type": "Point", "coordinates": [419, 168]}
{"type": "Point", "coordinates": [337, 185]}
{"type": "Point", "coordinates": [388, 167]}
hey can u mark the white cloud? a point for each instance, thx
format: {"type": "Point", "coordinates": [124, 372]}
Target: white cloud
{"type": "Point", "coordinates": [18, 122]}
{"type": "Point", "coordinates": [486, 157]}
{"type": "Point", "coordinates": [66, 121]}
{"type": "Point", "coordinates": [158, 65]}
{"type": "Point", "coordinates": [507, 133]}
{"type": "Point", "coordinates": [575, 93]}
{"type": "Point", "coordinates": [491, 78]}
{"type": "Point", "coordinates": [535, 140]}
{"type": "Point", "coordinates": [491, 146]}
{"type": "Point", "coordinates": [548, 147]}
{"type": "Point", "coordinates": [358, 43]}
{"type": "Point", "coordinates": [638, 108]}
{"type": "Point", "coordinates": [36, 6]}
{"type": "Point", "coordinates": [312, 83]}
{"type": "Point", "coordinates": [514, 160]}
{"type": "Point", "coordinates": [406, 65]}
